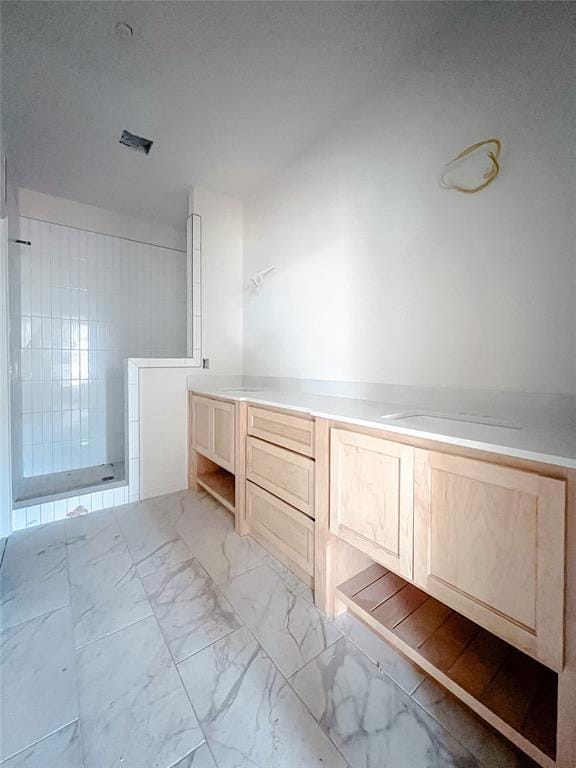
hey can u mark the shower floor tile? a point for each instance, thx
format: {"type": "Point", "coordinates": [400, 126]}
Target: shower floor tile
{"type": "Point", "coordinates": [36, 488]}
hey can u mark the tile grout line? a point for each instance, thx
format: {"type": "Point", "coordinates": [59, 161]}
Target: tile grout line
{"type": "Point", "coordinates": [189, 754]}
{"type": "Point", "coordinates": [175, 665]}
{"type": "Point", "coordinates": [396, 685]}
{"type": "Point", "coordinates": [182, 683]}
{"type": "Point", "coordinates": [216, 587]}
{"type": "Point", "coordinates": [33, 618]}
{"type": "Point", "coordinates": [283, 579]}
{"type": "Point", "coordinates": [174, 662]}
{"type": "Point", "coordinates": [452, 735]}
{"type": "Point", "coordinates": [281, 576]}
{"type": "Point", "coordinates": [411, 693]}
{"type": "Point", "coordinates": [39, 741]}
{"type": "Point", "coordinates": [114, 632]}
{"type": "Point", "coordinates": [429, 713]}
{"type": "Point", "coordinates": [345, 637]}
{"type": "Point", "coordinates": [296, 596]}
{"type": "Point", "coordinates": [103, 512]}
{"type": "Point", "coordinates": [289, 684]}
{"type": "Point", "coordinates": [75, 650]}
{"type": "Point", "coordinates": [380, 668]}
{"type": "Point", "coordinates": [44, 616]}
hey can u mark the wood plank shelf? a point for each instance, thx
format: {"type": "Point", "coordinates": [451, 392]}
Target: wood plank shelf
{"type": "Point", "coordinates": [221, 484]}
{"type": "Point", "coordinates": [514, 693]}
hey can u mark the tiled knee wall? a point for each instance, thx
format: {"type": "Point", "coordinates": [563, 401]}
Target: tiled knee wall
{"type": "Point", "coordinates": [37, 514]}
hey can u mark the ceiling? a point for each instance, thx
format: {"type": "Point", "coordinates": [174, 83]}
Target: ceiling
{"type": "Point", "coordinates": [230, 92]}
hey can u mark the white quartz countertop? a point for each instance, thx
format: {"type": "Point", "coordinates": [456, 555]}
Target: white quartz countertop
{"type": "Point", "coordinates": [552, 444]}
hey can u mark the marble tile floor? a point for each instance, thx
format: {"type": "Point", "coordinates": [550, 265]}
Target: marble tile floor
{"type": "Point", "coordinates": [152, 636]}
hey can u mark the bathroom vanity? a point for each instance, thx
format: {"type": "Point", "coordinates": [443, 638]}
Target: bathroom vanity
{"type": "Point", "coordinates": [456, 547]}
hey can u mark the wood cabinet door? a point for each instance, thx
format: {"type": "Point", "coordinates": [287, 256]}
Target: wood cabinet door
{"type": "Point", "coordinates": [489, 542]}
{"type": "Point", "coordinates": [223, 434]}
{"type": "Point", "coordinates": [213, 430]}
{"type": "Point", "coordinates": [371, 497]}
{"type": "Point", "coordinates": [202, 424]}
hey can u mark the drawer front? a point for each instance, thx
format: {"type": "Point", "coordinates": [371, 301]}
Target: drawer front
{"type": "Point", "coordinates": [293, 432]}
{"type": "Point", "coordinates": [285, 474]}
{"type": "Point", "coordinates": [489, 542]}
{"type": "Point", "coordinates": [287, 533]}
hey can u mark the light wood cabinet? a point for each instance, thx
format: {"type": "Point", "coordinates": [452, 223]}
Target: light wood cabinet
{"type": "Point", "coordinates": [213, 430]}
{"type": "Point", "coordinates": [489, 542]}
{"type": "Point", "coordinates": [287, 533]}
{"type": "Point", "coordinates": [463, 564]}
{"type": "Point", "coordinates": [285, 429]}
{"type": "Point", "coordinates": [201, 420]}
{"type": "Point", "coordinates": [371, 497]}
{"type": "Point", "coordinates": [287, 475]}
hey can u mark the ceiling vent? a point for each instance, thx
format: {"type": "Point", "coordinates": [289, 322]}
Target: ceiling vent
{"type": "Point", "coordinates": [132, 141]}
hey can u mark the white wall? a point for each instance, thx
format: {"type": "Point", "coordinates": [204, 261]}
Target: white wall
{"type": "Point", "coordinates": [222, 278]}
{"type": "Point", "coordinates": [9, 231]}
{"type": "Point", "coordinates": [163, 397]}
{"type": "Point", "coordinates": [386, 277]}
{"type": "Point", "coordinates": [57, 210]}
{"type": "Point", "coordinates": [163, 402]}
{"type": "Point", "coordinates": [5, 485]}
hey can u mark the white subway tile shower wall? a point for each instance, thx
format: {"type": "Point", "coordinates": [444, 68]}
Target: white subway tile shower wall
{"type": "Point", "coordinates": [81, 303]}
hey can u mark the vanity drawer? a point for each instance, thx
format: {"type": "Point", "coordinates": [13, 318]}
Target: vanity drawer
{"type": "Point", "coordinates": [293, 432]}
{"type": "Point", "coordinates": [284, 473]}
{"type": "Point", "coordinates": [284, 531]}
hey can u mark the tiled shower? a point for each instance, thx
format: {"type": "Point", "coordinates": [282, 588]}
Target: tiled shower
{"type": "Point", "coordinates": [80, 303]}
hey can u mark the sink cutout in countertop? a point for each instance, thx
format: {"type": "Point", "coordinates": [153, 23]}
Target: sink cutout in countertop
{"type": "Point", "coordinates": [428, 419]}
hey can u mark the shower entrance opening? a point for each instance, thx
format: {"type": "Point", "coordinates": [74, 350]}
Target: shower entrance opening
{"type": "Point", "coordinates": [81, 302]}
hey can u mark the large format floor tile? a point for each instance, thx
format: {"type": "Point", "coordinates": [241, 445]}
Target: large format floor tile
{"type": "Point", "coordinates": [152, 539]}
{"type": "Point", "coordinates": [106, 591]}
{"type": "Point", "coordinates": [200, 758]}
{"type": "Point", "coordinates": [134, 710]}
{"type": "Point", "coordinates": [208, 529]}
{"type": "Point", "coordinates": [92, 537]}
{"type": "Point", "coordinates": [290, 630]}
{"type": "Point", "coordinates": [39, 693]}
{"type": "Point", "coordinates": [398, 667]}
{"type": "Point", "coordinates": [34, 576]}
{"type": "Point", "coordinates": [62, 749]}
{"type": "Point", "coordinates": [491, 749]}
{"type": "Point", "coordinates": [249, 713]}
{"type": "Point", "coordinates": [143, 583]}
{"type": "Point", "coordinates": [190, 609]}
{"type": "Point", "coordinates": [369, 718]}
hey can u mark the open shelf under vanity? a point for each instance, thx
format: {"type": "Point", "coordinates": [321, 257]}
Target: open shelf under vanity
{"type": "Point", "coordinates": [516, 694]}
{"type": "Point", "coordinates": [218, 482]}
